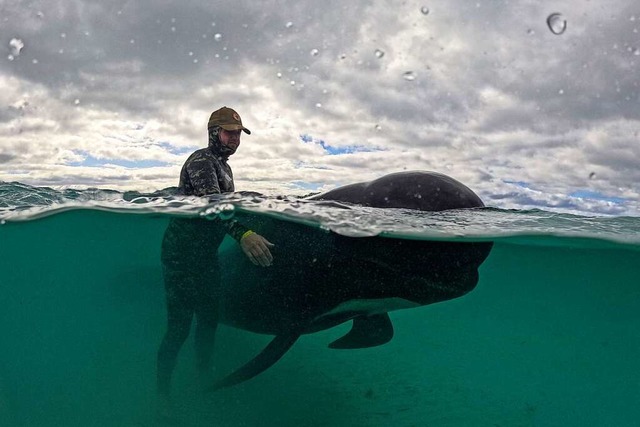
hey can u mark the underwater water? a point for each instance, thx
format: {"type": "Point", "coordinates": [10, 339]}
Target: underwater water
{"type": "Point", "coordinates": [550, 336]}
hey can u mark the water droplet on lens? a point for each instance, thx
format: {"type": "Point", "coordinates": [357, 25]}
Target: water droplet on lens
{"type": "Point", "coordinates": [217, 37]}
{"type": "Point", "coordinates": [424, 10]}
{"type": "Point", "coordinates": [409, 76]}
{"type": "Point", "coordinates": [16, 46]}
{"type": "Point", "coordinates": [315, 52]}
{"type": "Point", "coordinates": [379, 53]}
{"type": "Point", "coordinates": [556, 23]}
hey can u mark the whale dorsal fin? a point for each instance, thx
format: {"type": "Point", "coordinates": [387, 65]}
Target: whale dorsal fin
{"type": "Point", "coordinates": [267, 357]}
{"type": "Point", "coordinates": [367, 331]}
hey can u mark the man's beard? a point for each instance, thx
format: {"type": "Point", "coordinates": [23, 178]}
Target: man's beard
{"type": "Point", "coordinates": [227, 151]}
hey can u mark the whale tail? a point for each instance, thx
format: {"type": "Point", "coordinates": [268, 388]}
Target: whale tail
{"type": "Point", "coordinates": [267, 357]}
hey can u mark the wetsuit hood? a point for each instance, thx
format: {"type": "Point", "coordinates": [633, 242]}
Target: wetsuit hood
{"type": "Point", "coordinates": [216, 146]}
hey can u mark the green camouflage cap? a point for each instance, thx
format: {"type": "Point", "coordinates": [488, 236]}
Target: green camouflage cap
{"type": "Point", "coordinates": [227, 119]}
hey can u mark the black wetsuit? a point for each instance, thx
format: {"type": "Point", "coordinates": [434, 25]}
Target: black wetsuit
{"type": "Point", "coordinates": [190, 264]}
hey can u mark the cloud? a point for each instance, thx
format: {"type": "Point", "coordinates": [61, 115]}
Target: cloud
{"type": "Point", "coordinates": [481, 91]}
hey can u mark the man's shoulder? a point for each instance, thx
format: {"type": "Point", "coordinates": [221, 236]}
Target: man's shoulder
{"type": "Point", "coordinates": [201, 153]}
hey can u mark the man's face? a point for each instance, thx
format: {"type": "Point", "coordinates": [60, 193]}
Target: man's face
{"type": "Point", "coordinates": [230, 139]}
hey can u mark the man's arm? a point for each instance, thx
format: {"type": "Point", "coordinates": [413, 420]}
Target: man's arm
{"type": "Point", "coordinates": [204, 179]}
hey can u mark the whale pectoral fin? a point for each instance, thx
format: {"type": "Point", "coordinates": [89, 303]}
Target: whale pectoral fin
{"type": "Point", "coordinates": [367, 331]}
{"type": "Point", "coordinates": [267, 357]}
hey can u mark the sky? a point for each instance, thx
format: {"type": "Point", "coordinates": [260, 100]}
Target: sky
{"type": "Point", "coordinates": [532, 104]}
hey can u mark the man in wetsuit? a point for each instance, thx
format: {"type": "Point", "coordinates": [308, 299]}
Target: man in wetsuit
{"type": "Point", "coordinates": [189, 253]}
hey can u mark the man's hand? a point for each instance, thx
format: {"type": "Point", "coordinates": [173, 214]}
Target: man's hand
{"type": "Point", "coordinates": [256, 248]}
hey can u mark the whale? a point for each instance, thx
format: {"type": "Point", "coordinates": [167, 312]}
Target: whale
{"type": "Point", "coordinates": [320, 279]}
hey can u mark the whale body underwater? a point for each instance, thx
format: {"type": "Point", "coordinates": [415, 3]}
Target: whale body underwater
{"type": "Point", "coordinates": [320, 279]}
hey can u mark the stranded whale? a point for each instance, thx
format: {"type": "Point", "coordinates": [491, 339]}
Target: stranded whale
{"type": "Point", "coordinates": [320, 279]}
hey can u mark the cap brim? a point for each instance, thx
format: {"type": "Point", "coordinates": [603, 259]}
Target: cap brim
{"type": "Point", "coordinates": [236, 127]}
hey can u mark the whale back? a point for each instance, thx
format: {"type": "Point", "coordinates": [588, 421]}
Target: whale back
{"type": "Point", "coordinates": [419, 190]}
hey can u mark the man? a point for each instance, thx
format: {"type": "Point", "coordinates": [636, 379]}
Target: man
{"type": "Point", "coordinates": [189, 253]}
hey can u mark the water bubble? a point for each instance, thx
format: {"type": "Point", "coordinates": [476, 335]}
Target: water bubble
{"type": "Point", "coordinates": [556, 23]}
{"type": "Point", "coordinates": [16, 46]}
{"type": "Point", "coordinates": [424, 10]}
{"type": "Point", "coordinates": [3, 222]}
{"type": "Point", "coordinates": [636, 52]}
{"type": "Point", "coordinates": [530, 32]}
{"type": "Point", "coordinates": [409, 76]}
{"type": "Point", "coordinates": [173, 29]}
{"type": "Point", "coordinates": [34, 61]}
{"type": "Point", "coordinates": [315, 52]}
{"type": "Point", "coordinates": [279, 75]}
{"type": "Point", "coordinates": [190, 53]}
{"type": "Point", "coordinates": [318, 105]}
{"type": "Point", "coordinates": [592, 175]}
{"type": "Point", "coordinates": [288, 24]}
{"type": "Point", "coordinates": [40, 15]}
{"type": "Point", "coordinates": [378, 127]}
{"type": "Point", "coordinates": [343, 56]}
{"type": "Point", "coordinates": [227, 213]}
{"type": "Point", "coordinates": [10, 57]}
{"type": "Point", "coordinates": [76, 102]}
{"type": "Point", "coordinates": [132, 41]}
{"type": "Point", "coordinates": [379, 53]}
{"type": "Point", "coordinates": [217, 37]}
{"type": "Point", "coordinates": [292, 82]}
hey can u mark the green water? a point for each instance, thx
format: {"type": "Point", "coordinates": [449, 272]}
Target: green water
{"type": "Point", "coordinates": [549, 337]}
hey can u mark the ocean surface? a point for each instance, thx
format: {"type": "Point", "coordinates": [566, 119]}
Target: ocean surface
{"type": "Point", "coordinates": [550, 336]}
